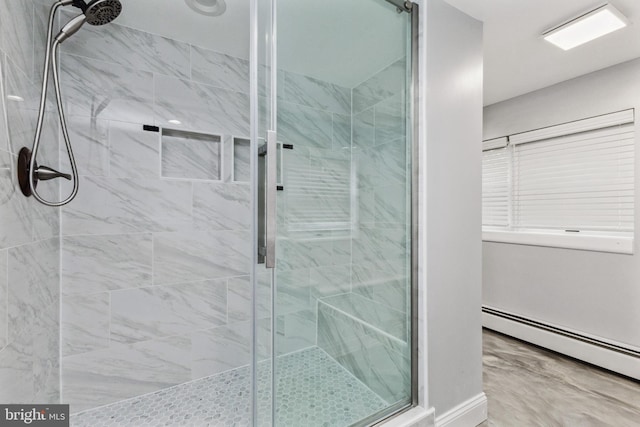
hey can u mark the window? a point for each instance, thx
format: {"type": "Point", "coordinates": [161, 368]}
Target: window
{"type": "Point", "coordinates": [570, 185]}
{"type": "Point", "coordinates": [495, 183]}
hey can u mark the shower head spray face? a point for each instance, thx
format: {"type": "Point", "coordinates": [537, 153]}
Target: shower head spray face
{"type": "Point", "coordinates": [101, 12]}
{"type": "Point", "coordinates": [97, 12]}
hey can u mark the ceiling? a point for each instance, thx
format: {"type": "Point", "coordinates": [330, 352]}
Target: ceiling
{"type": "Point", "coordinates": [346, 41]}
{"type": "Point", "coordinates": [518, 61]}
{"type": "Point", "coordinates": [228, 33]}
{"type": "Point", "coordinates": [340, 41]}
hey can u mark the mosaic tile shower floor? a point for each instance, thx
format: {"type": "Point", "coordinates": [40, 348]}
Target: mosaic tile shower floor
{"type": "Point", "coordinates": [313, 390]}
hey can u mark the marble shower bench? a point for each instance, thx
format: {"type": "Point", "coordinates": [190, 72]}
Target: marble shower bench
{"type": "Point", "coordinates": [369, 340]}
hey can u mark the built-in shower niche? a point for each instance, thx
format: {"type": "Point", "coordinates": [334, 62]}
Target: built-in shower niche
{"type": "Point", "coordinates": [191, 155]}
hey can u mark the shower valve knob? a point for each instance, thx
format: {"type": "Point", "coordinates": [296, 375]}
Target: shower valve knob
{"type": "Point", "coordinates": [45, 173]}
{"type": "Point", "coordinates": [42, 173]}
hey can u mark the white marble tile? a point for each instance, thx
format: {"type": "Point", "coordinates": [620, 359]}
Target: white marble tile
{"type": "Point", "coordinates": [295, 253]}
{"type": "Point", "coordinates": [371, 313]}
{"type": "Point", "coordinates": [392, 204]}
{"type": "Point", "coordinates": [17, 34]}
{"type": "Point", "coordinates": [311, 92]}
{"type": "Point", "coordinates": [304, 126]}
{"type": "Point", "coordinates": [383, 370]}
{"type": "Point", "coordinates": [135, 153]}
{"type": "Point", "coordinates": [293, 291]}
{"type": "Point", "coordinates": [239, 299]}
{"type": "Point", "coordinates": [203, 255]}
{"type": "Point", "coordinates": [191, 156]}
{"type": "Point", "coordinates": [131, 48]}
{"type": "Point", "coordinates": [21, 115]}
{"type": "Point", "coordinates": [241, 160]}
{"type": "Point", "coordinates": [391, 119]}
{"type": "Point", "coordinates": [341, 132]}
{"type": "Point", "coordinates": [45, 220]}
{"type": "Point", "coordinates": [389, 285]}
{"type": "Point", "coordinates": [341, 247]}
{"type": "Point", "coordinates": [4, 294]}
{"type": "Point", "coordinates": [34, 282]}
{"type": "Point", "coordinates": [380, 362]}
{"type": "Point", "coordinates": [4, 123]}
{"type": "Point", "coordinates": [366, 205]}
{"type": "Point", "coordinates": [201, 108]}
{"type": "Point", "coordinates": [46, 354]}
{"type": "Point", "coordinates": [263, 331]}
{"type": "Point", "coordinates": [120, 205]}
{"type": "Point", "coordinates": [295, 331]}
{"type": "Point", "coordinates": [93, 264]}
{"type": "Point", "coordinates": [105, 90]}
{"type": "Point", "coordinates": [219, 70]}
{"type": "Point", "coordinates": [379, 245]}
{"type": "Point", "coordinates": [339, 334]}
{"type": "Point", "coordinates": [159, 311]}
{"type": "Point", "coordinates": [85, 323]}
{"type": "Point", "coordinates": [221, 349]}
{"type": "Point", "coordinates": [123, 371]}
{"type": "Point", "coordinates": [41, 23]}
{"type": "Point", "coordinates": [327, 281]}
{"type": "Point", "coordinates": [364, 129]}
{"type": "Point", "coordinates": [221, 206]}
{"type": "Point", "coordinates": [16, 369]}
{"type": "Point", "coordinates": [386, 83]}
{"type": "Point", "coordinates": [366, 168]}
{"type": "Point", "coordinates": [16, 224]}
{"type": "Point", "coordinates": [30, 362]}
{"type": "Point", "coordinates": [391, 163]}
{"type": "Point", "coordinates": [90, 141]}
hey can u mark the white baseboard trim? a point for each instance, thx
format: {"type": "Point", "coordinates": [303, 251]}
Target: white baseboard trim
{"type": "Point", "coordinates": [609, 359]}
{"type": "Point", "coordinates": [467, 414]}
{"type": "Point", "coordinates": [414, 417]}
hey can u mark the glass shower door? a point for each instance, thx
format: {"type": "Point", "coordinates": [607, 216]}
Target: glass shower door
{"type": "Point", "coordinates": [335, 190]}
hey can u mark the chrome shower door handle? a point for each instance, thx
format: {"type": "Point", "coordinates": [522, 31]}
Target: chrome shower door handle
{"type": "Point", "coordinates": [267, 200]}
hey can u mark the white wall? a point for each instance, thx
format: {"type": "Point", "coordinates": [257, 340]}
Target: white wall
{"type": "Point", "coordinates": [454, 127]}
{"type": "Point", "coordinates": [590, 292]}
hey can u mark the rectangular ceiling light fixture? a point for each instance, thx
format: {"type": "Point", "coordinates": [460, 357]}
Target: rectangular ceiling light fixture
{"type": "Point", "coordinates": [586, 27]}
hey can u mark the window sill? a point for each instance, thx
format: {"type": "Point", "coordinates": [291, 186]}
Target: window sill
{"type": "Point", "coordinates": [621, 243]}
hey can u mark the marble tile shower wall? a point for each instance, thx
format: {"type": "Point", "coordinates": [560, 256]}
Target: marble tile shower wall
{"type": "Point", "coordinates": [156, 247]}
{"type": "Point", "coordinates": [156, 254]}
{"type": "Point", "coordinates": [29, 232]}
{"type": "Point", "coordinates": [367, 330]}
{"type": "Point", "coordinates": [314, 246]}
{"type": "Point", "coordinates": [380, 268]}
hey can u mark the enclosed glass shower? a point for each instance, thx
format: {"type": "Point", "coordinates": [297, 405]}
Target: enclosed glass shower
{"type": "Point", "coordinates": [240, 251]}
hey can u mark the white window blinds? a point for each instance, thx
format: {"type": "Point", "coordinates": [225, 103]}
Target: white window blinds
{"type": "Point", "coordinates": [575, 176]}
{"type": "Point", "coordinates": [495, 183]}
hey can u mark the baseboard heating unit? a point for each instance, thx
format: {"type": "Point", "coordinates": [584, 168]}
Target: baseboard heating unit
{"type": "Point", "coordinates": [610, 355]}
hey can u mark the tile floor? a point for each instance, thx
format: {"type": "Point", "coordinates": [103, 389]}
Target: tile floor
{"type": "Point", "coordinates": [528, 386]}
{"type": "Point", "coordinates": [313, 390]}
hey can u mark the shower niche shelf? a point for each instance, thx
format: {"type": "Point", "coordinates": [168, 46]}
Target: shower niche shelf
{"type": "Point", "coordinates": [191, 155]}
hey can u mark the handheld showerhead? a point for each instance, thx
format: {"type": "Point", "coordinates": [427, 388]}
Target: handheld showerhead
{"type": "Point", "coordinates": [101, 12]}
{"type": "Point", "coordinates": [97, 12]}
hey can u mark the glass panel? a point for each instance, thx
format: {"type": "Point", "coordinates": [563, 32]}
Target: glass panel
{"type": "Point", "coordinates": [343, 268]}
{"type": "Point", "coordinates": [154, 255]}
